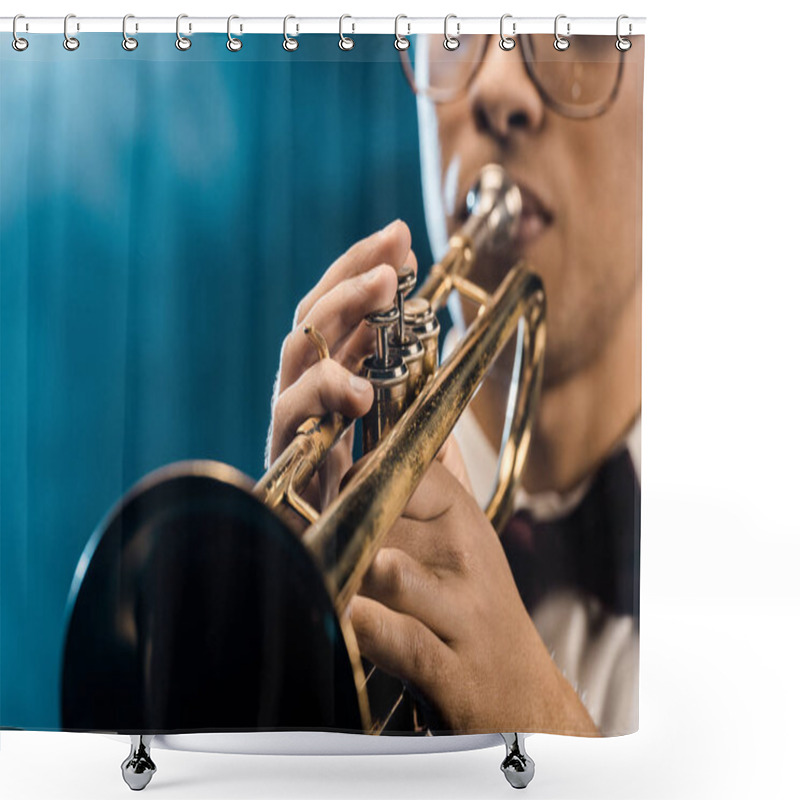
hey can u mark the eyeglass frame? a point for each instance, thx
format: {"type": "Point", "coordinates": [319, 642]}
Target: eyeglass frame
{"type": "Point", "coordinates": [571, 112]}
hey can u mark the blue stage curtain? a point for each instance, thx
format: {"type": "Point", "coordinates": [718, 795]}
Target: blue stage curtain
{"type": "Point", "coordinates": [150, 262]}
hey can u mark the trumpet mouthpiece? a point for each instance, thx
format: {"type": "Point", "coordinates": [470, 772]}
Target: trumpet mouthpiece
{"type": "Point", "coordinates": [495, 207]}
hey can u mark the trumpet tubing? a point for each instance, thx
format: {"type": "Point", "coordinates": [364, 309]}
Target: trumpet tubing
{"type": "Point", "coordinates": [416, 403]}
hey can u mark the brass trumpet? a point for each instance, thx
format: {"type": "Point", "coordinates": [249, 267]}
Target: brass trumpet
{"type": "Point", "coordinates": [224, 540]}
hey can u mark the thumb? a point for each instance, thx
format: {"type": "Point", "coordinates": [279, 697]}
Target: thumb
{"type": "Point", "coordinates": [450, 456]}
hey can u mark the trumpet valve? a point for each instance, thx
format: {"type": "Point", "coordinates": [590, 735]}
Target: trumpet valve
{"type": "Point", "coordinates": [403, 342]}
{"type": "Point", "coordinates": [410, 350]}
{"type": "Point", "coordinates": [406, 281]}
{"type": "Point", "coordinates": [388, 374]}
{"type": "Point", "coordinates": [421, 321]}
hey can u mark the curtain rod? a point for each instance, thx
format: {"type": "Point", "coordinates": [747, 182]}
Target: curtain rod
{"type": "Point", "coordinates": [298, 25]}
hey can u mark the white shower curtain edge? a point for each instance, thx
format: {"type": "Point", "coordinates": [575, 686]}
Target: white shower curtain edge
{"type": "Point", "coordinates": [318, 743]}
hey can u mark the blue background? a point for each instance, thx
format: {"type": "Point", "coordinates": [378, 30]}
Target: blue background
{"type": "Point", "coordinates": [161, 214]}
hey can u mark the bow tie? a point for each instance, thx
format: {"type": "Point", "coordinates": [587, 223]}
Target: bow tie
{"type": "Point", "coordinates": [594, 548]}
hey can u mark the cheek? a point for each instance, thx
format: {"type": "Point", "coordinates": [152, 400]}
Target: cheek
{"type": "Point", "coordinates": [606, 159]}
{"type": "Point", "coordinates": [602, 187]}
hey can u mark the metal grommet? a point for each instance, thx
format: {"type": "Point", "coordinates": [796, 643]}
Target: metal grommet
{"type": "Point", "coordinates": [18, 43]}
{"type": "Point", "coordinates": [451, 42]}
{"type": "Point", "coordinates": [345, 42]}
{"type": "Point", "coordinates": [233, 44]}
{"type": "Point", "coordinates": [181, 42]}
{"type": "Point", "coordinates": [70, 42]}
{"type": "Point", "coordinates": [506, 42]}
{"type": "Point", "coordinates": [560, 42]}
{"type": "Point", "coordinates": [400, 42]}
{"type": "Point", "coordinates": [289, 43]}
{"type": "Point", "coordinates": [128, 42]}
{"type": "Point", "coordinates": [623, 44]}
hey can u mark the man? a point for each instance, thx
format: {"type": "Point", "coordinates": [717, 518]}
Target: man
{"type": "Point", "coordinates": [541, 636]}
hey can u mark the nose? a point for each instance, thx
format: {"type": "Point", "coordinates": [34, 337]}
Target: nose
{"type": "Point", "coordinates": [504, 101]}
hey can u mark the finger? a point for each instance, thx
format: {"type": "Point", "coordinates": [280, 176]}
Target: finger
{"type": "Point", "coordinates": [391, 245]}
{"type": "Point", "coordinates": [336, 315]}
{"type": "Point", "coordinates": [403, 584]}
{"type": "Point", "coordinates": [327, 386]}
{"type": "Point", "coordinates": [450, 456]}
{"type": "Point", "coordinates": [442, 550]}
{"type": "Point", "coordinates": [435, 495]}
{"type": "Point", "coordinates": [411, 261]}
{"type": "Point", "coordinates": [401, 645]}
{"type": "Point", "coordinates": [360, 345]}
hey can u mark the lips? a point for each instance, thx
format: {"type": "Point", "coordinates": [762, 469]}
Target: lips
{"type": "Point", "coordinates": [535, 216]}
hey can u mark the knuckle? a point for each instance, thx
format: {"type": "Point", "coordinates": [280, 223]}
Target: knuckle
{"type": "Point", "coordinates": [303, 307]}
{"type": "Point", "coordinates": [328, 373]}
{"type": "Point", "coordinates": [394, 574]}
{"type": "Point", "coordinates": [353, 298]}
{"type": "Point", "coordinates": [332, 384]}
{"type": "Point", "coordinates": [365, 629]}
{"type": "Point", "coordinates": [371, 632]}
{"type": "Point", "coordinates": [419, 654]}
{"type": "Point", "coordinates": [461, 560]}
{"type": "Point", "coordinates": [278, 412]}
{"type": "Point", "coordinates": [286, 348]}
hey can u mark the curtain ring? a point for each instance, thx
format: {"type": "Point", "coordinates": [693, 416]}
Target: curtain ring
{"type": "Point", "coordinates": [622, 44]}
{"type": "Point", "coordinates": [400, 42]}
{"type": "Point", "coordinates": [181, 42]}
{"type": "Point", "coordinates": [289, 44]}
{"type": "Point", "coordinates": [506, 42]}
{"type": "Point", "coordinates": [70, 42]}
{"type": "Point", "coordinates": [560, 42]}
{"type": "Point", "coordinates": [345, 42]}
{"type": "Point", "coordinates": [233, 44]}
{"type": "Point", "coordinates": [128, 42]}
{"type": "Point", "coordinates": [451, 42]}
{"type": "Point", "coordinates": [18, 43]}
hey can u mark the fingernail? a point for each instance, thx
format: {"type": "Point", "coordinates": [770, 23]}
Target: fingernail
{"type": "Point", "coordinates": [393, 222]}
{"type": "Point", "coordinates": [361, 385]}
{"type": "Point", "coordinates": [348, 610]}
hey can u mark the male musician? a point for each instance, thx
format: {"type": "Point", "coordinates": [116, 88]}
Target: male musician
{"type": "Point", "coordinates": [537, 629]}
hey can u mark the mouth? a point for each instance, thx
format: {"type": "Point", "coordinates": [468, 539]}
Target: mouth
{"type": "Point", "coordinates": [535, 216]}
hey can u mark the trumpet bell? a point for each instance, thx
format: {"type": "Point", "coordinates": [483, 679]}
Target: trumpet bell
{"type": "Point", "coordinates": [200, 610]}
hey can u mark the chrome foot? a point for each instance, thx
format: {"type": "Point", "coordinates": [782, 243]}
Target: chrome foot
{"type": "Point", "coordinates": [138, 768]}
{"type": "Point", "coordinates": [517, 766]}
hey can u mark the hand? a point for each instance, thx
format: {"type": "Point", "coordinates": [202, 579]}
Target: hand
{"type": "Point", "coordinates": [362, 280]}
{"type": "Point", "coordinates": [439, 608]}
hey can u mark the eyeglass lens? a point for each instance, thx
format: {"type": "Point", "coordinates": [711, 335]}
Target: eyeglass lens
{"type": "Point", "coordinates": [581, 77]}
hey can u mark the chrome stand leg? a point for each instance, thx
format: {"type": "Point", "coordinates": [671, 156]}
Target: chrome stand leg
{"type": "Point", "coordinates": [517, 766]}
{"type": "Point", "coordinates": [138, 768]}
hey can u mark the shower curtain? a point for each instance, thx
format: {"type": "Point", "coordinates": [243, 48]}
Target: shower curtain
{"type": "Point", "coordinates": [170, 222]}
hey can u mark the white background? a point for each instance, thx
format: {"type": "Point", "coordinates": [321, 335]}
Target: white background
{"type": "Point", "coordinates": [720, 531]}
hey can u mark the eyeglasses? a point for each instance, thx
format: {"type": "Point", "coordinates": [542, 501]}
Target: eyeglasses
{"type": "Point", "coordinates": [580, 82]}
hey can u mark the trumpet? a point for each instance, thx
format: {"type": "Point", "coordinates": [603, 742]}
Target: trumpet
{"type": "Point", "coordinates": [196, 604]}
